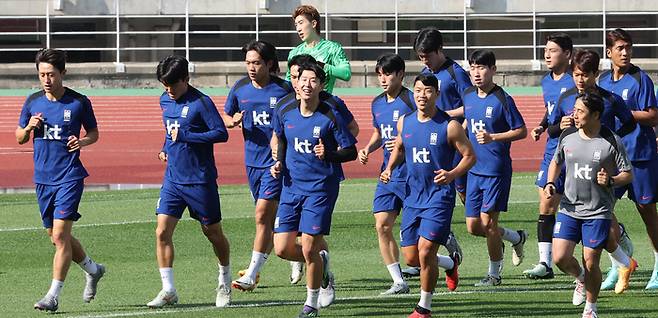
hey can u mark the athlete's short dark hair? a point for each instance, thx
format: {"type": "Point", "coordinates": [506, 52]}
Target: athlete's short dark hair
{"type": "Point", "coordinates": [56, 58]}
{"type": "Point", "coordinates": [586, 60]}
{"type": "Point", "coordinates": [616, 35]}
{"type": "Point", "coordinates": [301, 59]}
{"type": "Point", "coordinates": [428, 80]}
{"type": "Point", "coordinates": [315, 68]}
{"type": "Point", "coordinates": [428, 40]}
{"type": "Point", "coordinates": [482, 57]}
{"type": "Point", "coordinates": [310, 13]}
{"type": "Point", "coordinates": [592, 100]}
{"type": "Point", "coordinates": [267, 52]}
{"type": "Point", "coordinates": [172, 69]}
{"type": "Point", "coordinates": [389, 63]}
{"type": "Point", "coordinates": [562, 39]}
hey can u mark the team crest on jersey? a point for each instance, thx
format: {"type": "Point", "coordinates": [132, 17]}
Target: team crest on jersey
{"type": "Point", "coordinates": [183, 113]}
{"type": "Point", "coordinates": [272, 102]}
{"type": "Point", "coordinates": [433, 138]}
{"type": "Point", "coordinates": [439, 84]}
{"type": "Point", "coordinates": [316, 132]}
{"type": "Point", "coordinates": [624, 94]}
{"type": "Point", "coordinates": [489, 112]}
{"type": "Point", "coordinates": [597, 156]}
{"type": "Point", "coordinates": [67, 115]}
{"type": "Point", "coordinates": [396, 115]}
{"type": "Point", "coordinates": [563, 89]}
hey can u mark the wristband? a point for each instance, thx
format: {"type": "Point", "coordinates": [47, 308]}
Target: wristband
{"type": "Point", "coordinates": [551, 183]}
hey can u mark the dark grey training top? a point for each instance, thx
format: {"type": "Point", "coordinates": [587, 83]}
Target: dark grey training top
{"type": "Point", "coordinates": [583, 197]}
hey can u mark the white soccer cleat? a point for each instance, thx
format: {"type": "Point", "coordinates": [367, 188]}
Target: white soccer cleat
{"type": "Point", "coordinates": [297, 272]}
{"type": "Point", "coordinates": [244, 283]}
{"type": "Point", "coordinates": [539, 271]}
{"type": "Point", "coordinates": [588, 313]}
{"type": "Point", "coordinates": [223, 298]}
{"type": "Point", "coordinates": [164, 298]}
{"type": "Point", "coordinates": [411, 272]}
{"type": "Point", "coordinates": [489, 281]}
{"type": "Point", "coordinates": [47, 303]}
{"type": "Point", "coordinates": [517, 249]}
{"type": "Point", "coordinates": [327, 291]}
{"type": "Point", "coordinates": [91, 284]}
{"type": "Point", "coordinates": [397, 288]}
{"type": "Point", "coordinates": [579, 295]}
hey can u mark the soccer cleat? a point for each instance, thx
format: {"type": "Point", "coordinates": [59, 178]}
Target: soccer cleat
{"type": "Point", "coordinates": [411, 272]}
{"type": "Point", "coordinates": [297, 272]}
{"type": "Point", "coordinates": [517, 249]}
{"type": "Point", "coordinates": [540, 271]}
{"type": "Point", "coordinates": [610, 279]}
{"type": "Point", "coordinates": [588, 313]}
{"type": "Point", "coordinates": [653, 281]}
{"type": "Point", "coordinates": [47, 303]}
{"type": "Point", "coordinates": [327, 292]}
{"type": "Point", "coordinates": [244, 283]}
{"type": "Point", "coordinates": [420, 313]}
{"type": "Point", "coordinates": [308, 312]}
{"type": "Point", "coordinates": [164, 298]}
{"type": "Point", "coordinates": [578, 294]}
{"type": "Point", "coordinates": [625, 242]}
{"type": "Point", "coordinates": [489, 281]}
{"type": "Point", "coordinates": [452, 275]}
{"type": "Point", "coordinates": [452, 245]}
{"type": "Point", "coordinates": [223, 298]}
{"type": "Point", "coordinates": [91, 285]}
{"type": "Point", "coordinates": [242, 272]}
{"type": "Point", "coordinates": [397, 288]}
{"type": "Point", "coordinates": [624, 277]}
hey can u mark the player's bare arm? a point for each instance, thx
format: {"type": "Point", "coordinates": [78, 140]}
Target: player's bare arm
{"type": "Point", "coordinates": [457, 138]}
{"type": "Point", "coordinates": [648, 117]}
{"type": "Point", "coordinates": [74, 143]}
{"type": "Point", "coordinates": [373, 144]}
{"type": "Point", "coordinates": [23, 134]}
{"type": "Point", "coordinates": [484, 137]}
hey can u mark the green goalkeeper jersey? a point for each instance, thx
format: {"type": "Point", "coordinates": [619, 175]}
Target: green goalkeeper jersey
{"type": "Point", "coordinates": [333, 57]}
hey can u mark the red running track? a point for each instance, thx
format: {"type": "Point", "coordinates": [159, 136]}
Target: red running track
{"type": "Point", "coordinates": [131, 135]}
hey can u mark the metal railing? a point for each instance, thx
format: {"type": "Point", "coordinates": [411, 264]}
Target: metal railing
{"type": "Point", "coordinates": [395, 17]}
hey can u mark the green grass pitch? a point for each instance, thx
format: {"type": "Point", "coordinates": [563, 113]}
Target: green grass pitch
{"type": "Point", "coordinates": [117, 230]}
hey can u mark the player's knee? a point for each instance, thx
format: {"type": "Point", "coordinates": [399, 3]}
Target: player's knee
{"type": "Point", "coordinates": [411, 259]}
{"type": "Point", "coordinates": [60, 239]}
{"type": "Point", "coordinates": [383, 228]}
{"type": "Point", "coordinates": [474, 228]}
{"type": "Point", "coordinates": [163, 235]}
{"type": "Point", "coordinates": [282, 249]}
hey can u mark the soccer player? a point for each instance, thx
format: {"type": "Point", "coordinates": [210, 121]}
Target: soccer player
{"type": "Point", "coordinates": [426, 142]}
{"type": "Point", "coordinates": [453, 80]}
{"type": "Point", "coordinates": [250, 104]}
{"type": "Point", "coordinates": [493, 123]}
{"type": "Point", "coordinates": [192, 126]}
{"type": "Point", "coordinates": [329, 54]}
{"type": "Point", "coordinates": [297, 268]}
{"type": "Point", "coordinates": [387, 109]}
{"type": "Point", "coordinates": [54, 116]}
{"type": "Point", "coordinates": [595, 162]}
{"type": "Point", "coordinates": [636, 89]}
{"type": "Point", "coordinates": [309, 134]}
{"type": "Point", "coordinates": [557, 53]}
{"type": "Point", "coordinates": [585, 65]}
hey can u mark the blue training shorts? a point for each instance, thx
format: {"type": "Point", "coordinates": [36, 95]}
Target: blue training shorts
{"type": "Point", "coordinates": [432, 224]}
{"type": "Point", "coordinates": [487, 194]}
{"type": "Point", "coordinates": [644, 187]}
{"type": "Point", "coordinates": [310, 214]}
{"type": "Point", "coordinates": [59, 201]}
{"type": "Point", "coordinates": [592, 232]}
{"type": "Point", "coordinates": [389, 196]}
{"type": "Point", "coordinates": [262, 185]}
{"type": "Point", "coordinates": [202, 200]}
{"type": "Point", "coordinates": [542, 176]}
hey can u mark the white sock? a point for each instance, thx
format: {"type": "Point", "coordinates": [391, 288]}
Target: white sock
{"type": "Point", "coordinates": [494, 268]}
{"type": "Point", "coordinates": [167, 277]}
{"type": "Point", "coordinates": [312, 297]}
{"type": "Point", "coordinates": [591, 306]}
{"type": "Point", "coordinates": [396, 272]}
{"type": "Point", "coordinates": [581, 276]}
{"type": "Point", "coordinates": [88, 265]}
{"type": "Point", "coordinates": [55, 288]}
{"type": "Point", "coordinates": [224, 275]}
{"type": "Point", "coordinates": [257, 261]}
{"type": "Point", "coordinates": [511, 236]}
{"type": "Point", "coordinates": [655, 262]}
{"type": "Point", "coordinates": [620, 258]}
{"type": "Point", "coordinates": [612, 260]}
{"type": "Point", "coordinates": [445, 262]}
{"type": "Point", "coordinates": [425, 300]}
{"type": "Point", "coordinates": [545, 253]}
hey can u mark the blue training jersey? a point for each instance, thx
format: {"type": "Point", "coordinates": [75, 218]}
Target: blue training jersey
{"type": "Point", "coordinates": [453, 80]}
{"type": "Point", "coordinates": [258, 105]}
{"type": "Point", "coordinates": [385, 117]}
{"type": "Point", "coordinates": [636, 90]}
{"type": "Point", "coordinates": [494, 113]}
{"type": "Point", "coordinates": [336, 103]}
{"type": "Point", "coordinates": [190, 160]}
{"type": "Point", "coordinates": [551, 91]}
{"type": "Point", "coordinates": [614, 108]}
{"type": "Point", "coordinates": [53, 163]}
{"type": "Point", "coordinates": [427, 149]}
{"type": "Point", "coordinates": [304, 173]}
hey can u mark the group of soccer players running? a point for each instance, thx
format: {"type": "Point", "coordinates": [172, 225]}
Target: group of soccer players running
{"type": "Point", "coordinates": [449, 135]}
